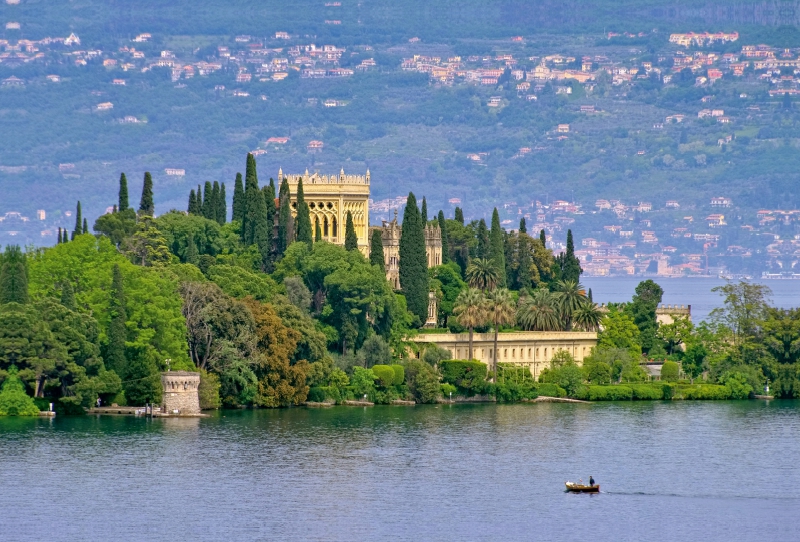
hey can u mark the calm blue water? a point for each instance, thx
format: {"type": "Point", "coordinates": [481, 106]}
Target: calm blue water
{"type": "Point", "coordinates": [687, 291]}
{"type": "Point", "coordinates": [669, 471]}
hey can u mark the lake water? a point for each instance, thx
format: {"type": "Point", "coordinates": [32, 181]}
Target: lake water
{"type": "Point", "coordinates": [694, 291]}
{"type": "Point", "coordinates": [668, 471]}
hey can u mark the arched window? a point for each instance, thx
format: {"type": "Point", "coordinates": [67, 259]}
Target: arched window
{"type": "Point", "coordinates": [335, 233]}
{"type": "Point", "coordinates": [325, 227]}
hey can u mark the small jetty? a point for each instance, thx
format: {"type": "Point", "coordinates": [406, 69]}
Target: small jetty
{"type": "Point", "coordinates": [359, 403]}
{"type": "Point", "coordinates": [47, 414]}
{"type": "Point", "coordinates": [401, 402]}
{"type": "Point", "coordinates": [141, 411]}
{"type": "Point", "coordinates": [318, 404]}
{"type": "Point", "coordinates": [545, 399]}
{"type": "Point", "coordinates": [765, 397]}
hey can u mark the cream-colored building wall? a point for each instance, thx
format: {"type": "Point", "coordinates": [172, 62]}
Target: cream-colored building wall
{"type": "Point", "coordinates": [530, 349]}
{"type": "Point", "coordinates": [329, 198]}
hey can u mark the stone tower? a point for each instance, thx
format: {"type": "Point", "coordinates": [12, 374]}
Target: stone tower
{"type": "Point", "coordinates": [329, 197]}
{"type": "Point", "coordinates": [180, 392]}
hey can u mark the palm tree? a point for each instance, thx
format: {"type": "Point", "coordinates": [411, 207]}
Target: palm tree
{"type": "Point", "coordinates": [470, 311]}
{"type": "Point", "coordinates": [538, 312]}
{"type": "Point", "coordinates": [588, 316]}
{"type": "Point", "coordinates": [483, 273]}
{"type": "Point", "coordinates": [570, 295]}
{"type": "Point", "coordinates": [501, 310]}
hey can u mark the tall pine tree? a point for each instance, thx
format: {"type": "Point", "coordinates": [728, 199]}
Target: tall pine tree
{"type": "Point", "coordinates": [68, 295]}
{"type": "Point", "coordinates": [424, 211]}
{"type": "Point", "coordinates": [117, 331]}
{"type": "Point", "coordinates": [191, 255]}
{"type": "Point", "coordinates": [209, 208]}
{"type": "Point", "coordinates": [525, 255]}
{"type": "Point", "coordinates": [414, 261]}
{"type": "Point", "coordinates": [523, 228]}
{"type": "Point", "coordinates": [482, 249]}
{"type": "Point", "coordinates": [222, 206]}
{"type": "Point", "coordinates": [445, 238]}
{"type": "Point", "coordinates": [123, 193]}
{"type": "Point", "coordinates": [13, 276]}
{"type": "Point", "coordinates": [285, 222]}
{"type": "Point", "coordinates": [543, 238]}
{"type": "Point", "coordinates": [192, 207]}
{"type": "Point", "coordinates": [303, 220]}
{"type": "Point", "coordinates": [238, 199]}
{"type": "Point", "coordinates": [85, 226]}
{"type": "Point", "coordinates": [78, 222]}
{"type": "Point", "coordinates": [214, 202]}
{"type": "Point", "coordinates": [496, 251]}
{"type": "Point", "coordinates": [350, 237]}
{"type": "Point", "coordinates": [146, 205]}
{"type": "Point", "coordinates": [376, 256]}
{"type": "Point", "coordinates": [571, 268]}
{"type": "Point", "coordinates": [459, 216]}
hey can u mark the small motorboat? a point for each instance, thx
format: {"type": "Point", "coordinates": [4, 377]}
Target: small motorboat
{"type": "Point", "coordinates": [578, 488]}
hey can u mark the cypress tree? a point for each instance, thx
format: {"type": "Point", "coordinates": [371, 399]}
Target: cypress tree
{"type": "Point", "coordinates": [146, 205]}
{"type": "Point", "coordinates": [209, 208]}
{"type": "Point", "coordinates": [523, 228]}
{"type": "Point", "coordinates": [303, 221]}
{"type": "Point", "coordinates": [317, 231]}
{"type": "Point", "coordinates": [192, 207]}
{"type": "Point", "coordinates": [350, 237]}
{"type": "Point", "coordinates": [572, 265]}
{"type": "Point", "coordinates": [68, 295]}
{"type": "Point", "coordinates": [214, 202]}
{"type": "Point", "coordinates": [413, 261]}
{"type": "Point", "coordinates": [66, 237]}
{"type": "Point", "coordinates": [238, 199]}
{"type": "Point", "coordinates": [376, 256]}
{"type": "Point", "coordinates": [85, 226]}
{"type": "Point", "coordinates": [222, 206]}
{"type": "Point", "coordinates": [14, 276]}
{"type": "Point", "coordinates": [459, 216]}
{"type": "Point", "coordinates": [78, 222]}
{"type": "Point", "coordinates": [117, 332]}
{"type": "Point", "coordinates": [524, 279]}
{"type": "Point", "coordinates": [424, 211]}
{"type": "Point", "coordinates": [496, 250]}
{"type": "Point", "coordinates": [123, 193]}
{"type": "Point", "coordinates": [445, 238]}
{"type": "Point", "coordinates": [543, 238]}
{"type": "Point", "coordinates": [114, 210]}
{"type": "Point", "coordinates": [58, 241]}
{"type": "Point", "coordinates": [285, 223]}
{"type": "Point", "coordinates": [482, 249]}
{"type": "Point", "coordinates": [270, 195]}
{"type": "Point", "coordinates": [191, 255]}
{"type": "Point", "coordinates": [589, 296]}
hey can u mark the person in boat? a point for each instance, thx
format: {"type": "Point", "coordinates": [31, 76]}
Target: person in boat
{"type": "Point", "coordinates": [591, 481]}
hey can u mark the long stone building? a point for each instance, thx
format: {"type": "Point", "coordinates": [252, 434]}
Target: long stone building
{"type": "Point", "coordinates": [530, 349]}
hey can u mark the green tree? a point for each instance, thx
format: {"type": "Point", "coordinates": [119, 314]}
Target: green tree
{"type": "Point", "coordinates": [570, 297]}
{"type": "Point", "coordinates": [500, 310]}
{"type": "Point", "coordinates": [538, 312]}
{"type": "Point", "coordinates": [285, 222]}
{"type": "Point", "coordinates": [123, 193]}
{"type": "Point", "coordinates": [496, 248]}
{"type": "Point", "coordinates": [670, 371]}
{"type": "Point", "coordinates": [675, 333]}
{"type": "Point", "coordinates": [116, 226]}
{"type": "Point", "coordinates": [318, 231]}
{"type": "Point", "coordinates": [147, 246]}
{"type": "Point", "coordinates": [569, 265]}
{"type": "Point", "coordinates": [13, 399]}
{"type": "Point", "coordinates": [446, 282]}
{"type": "Point", "coordinates": [483, 248]}
{"type": "Point", "coordinates": [350, 237]}
{"type": "Point", "coordinates": [459, 216]}
{"type": "Point", "coordinates": [78, 222]}
{"type": "Point", "coordinates": [146, 205]}
{"type": "Point", "coordinates": [68, 296]}
{"type": "Point", "coordinates": [643, 312]}
{"type": "Point", "coordinates": [117, 331]}
{"type": "Point", "coordinates": [522, 226]}
{"type": "Point", "coordinates": [375, 351]}
{"type": "Point", "coordinates": [744, 307]}
{"type": "Point", "coordinates": [191, 255]}
{"type": "Point", "coordinates": [85, 226]}
{"type": "Point", "coordinates": [191, 208]}
{"type": "Point", "coordinates": [483, 274]}
{"type": "Point", "coordinates": [470, 311]}
{"type": "Point", "coordinates": [209, 205]}
{"type": "Point", "coordinates": [214, 202]}
{"type": "Point", "coordinates": [587, 316]}
{"type": "Point", "coordinates": [376, 256]}
{"type": "Point", "coordinates": [238, 199]}
{"type": "Point", "coordinates": [142, 380]}
{"type": "Point", "coordinates": [445, 240]}
{"type": "Point", "coordinates": [222, 205]}
{"type": "Point", "coordinates": [619, 331]}
{"type": "Point", "coordinates": [423, 381]}
{"type": "Point", "coordinates": [413, 261]}
{"type": "Point", "coordinates": [424, 212]}
{"type": "Point", "coordinates": [303, 219]}
{"type": "Point", "coordinates": [543, 238]}
{"type": "Point", "coordinates": [13, 276]}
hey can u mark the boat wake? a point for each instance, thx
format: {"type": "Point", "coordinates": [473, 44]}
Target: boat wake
{"type": "Point", "coordinates": [701, 496]}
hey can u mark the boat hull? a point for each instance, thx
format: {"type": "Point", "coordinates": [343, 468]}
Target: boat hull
{"type": "Point", "coordinates": [578, 488]}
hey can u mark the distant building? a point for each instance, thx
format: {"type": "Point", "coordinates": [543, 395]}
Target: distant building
{"type": "Point", "coordinates": [175, 172]}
